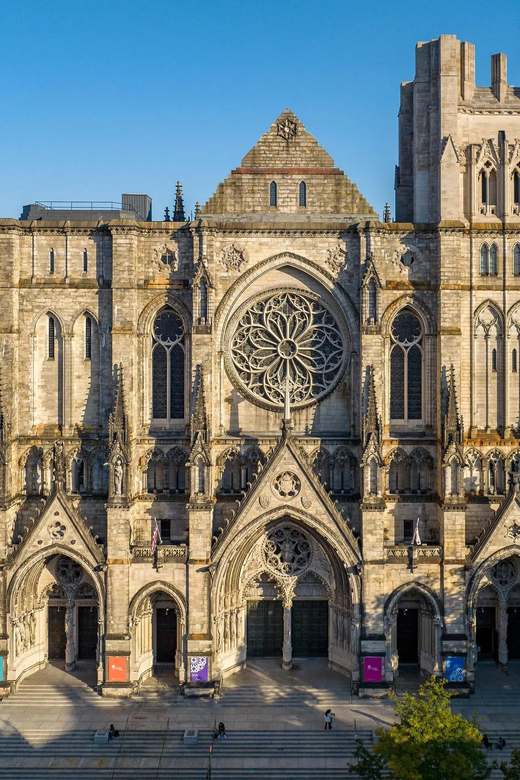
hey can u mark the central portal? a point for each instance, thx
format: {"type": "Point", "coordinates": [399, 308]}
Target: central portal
{"type": "Point", "coordinates": [309, 629]}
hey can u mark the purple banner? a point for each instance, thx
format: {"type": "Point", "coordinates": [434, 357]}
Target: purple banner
{"type": "Point", "coordinates": [199, 668]}
{"type": "Point", "coordinates": [373, 669]}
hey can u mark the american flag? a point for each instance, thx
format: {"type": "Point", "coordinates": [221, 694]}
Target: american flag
{"type": "Point", "coordinates": [155, 536]}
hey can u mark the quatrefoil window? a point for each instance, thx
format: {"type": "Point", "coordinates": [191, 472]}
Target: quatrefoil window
{"type": "Point", "coordinates": [287, 485]}
{"type": "Point", "coordinates": [287, 341]}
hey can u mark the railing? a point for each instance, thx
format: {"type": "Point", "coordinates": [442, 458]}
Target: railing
{"type": "Point", "coordinates": [87, 205]}
{"type": "Point", "coordinates": [423, 552]}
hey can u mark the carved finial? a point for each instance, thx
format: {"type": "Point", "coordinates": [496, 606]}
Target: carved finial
{"type": "Point", "coordinates": [387, 216]}
{"type": "Point", "coordinates": [118, 420]}
{"type": "Point", "coordinates": [178, 210]}
{"type": "Point", "coordinates": [453, 425]}
{"type": "Point", "coordinates": [199, 418]}
{"type": "Point", "coordinates": [197, 209]}
{"type": "Point", "coordinates": [166, 215]}
{"type": "Point", "coordinates": [371, 423]}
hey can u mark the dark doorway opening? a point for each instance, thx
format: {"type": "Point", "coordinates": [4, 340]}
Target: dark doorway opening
{"type": "Point", "coordinates": [487, 640]}
{"type": "Point", "coordinates": [408, 636]}
{"type": "Point", "coordinates": [87, 632]}
{"type": "Point", "coordinates": [56, 632]}
{"type": "Point", "coordinates": [310, 629]}
{"type": "Point", "coordinates": [166, 635]}
{"type": "Point", "coordinates": [513, 633]}
{"type": "Point", "coordinates": [264, 628]}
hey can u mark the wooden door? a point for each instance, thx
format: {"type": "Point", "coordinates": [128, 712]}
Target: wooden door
{"type": "Point", "coordinates": [56, 631]}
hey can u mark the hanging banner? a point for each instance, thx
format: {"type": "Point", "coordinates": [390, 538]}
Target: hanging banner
{"type": "Point", "coordinates": [199, 668]}
{"type": "Point", "coordinates": [455, 668]}
{"type": "Point", "coordinates": [1, 668]}
{"type": "Point", "coordinates": [117, 668]}
{"type": "Point", "coordinates": [373, 668]}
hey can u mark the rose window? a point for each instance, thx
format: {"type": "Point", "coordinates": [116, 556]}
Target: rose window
{"type": "Point", "coordinates": [287, 550]}
{"type": "Point", "coordinates": [286, 342]}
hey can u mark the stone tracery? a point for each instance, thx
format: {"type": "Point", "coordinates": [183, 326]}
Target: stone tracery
{"type": "Point", "coordinates": [289, 337]}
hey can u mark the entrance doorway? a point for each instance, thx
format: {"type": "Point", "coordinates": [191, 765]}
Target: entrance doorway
{"type": "Point", "coordinates": [166, 635]}
{"type": "Point", "coordinates": [57, 638]}
{"type": "Point", "coordinates": [513, 633]}
{"type": "Point", "coordinates": [408, 635]}
{"type": "Point", "coordinates": [487, 638]}
{"type": "Point", "coordinates": [264, 628]}
{"type": "Point", "coordinates": [310, 629]}
{"type": "Point", "coordinates": [87, 632]}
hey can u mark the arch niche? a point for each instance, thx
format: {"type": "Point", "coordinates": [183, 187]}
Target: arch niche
{"type": "Point", "coordinates": [285, 587]}
{"type": "Point", "coordinates": [157, 620]}
{"type": "Point", "coordinates": [56, 614]}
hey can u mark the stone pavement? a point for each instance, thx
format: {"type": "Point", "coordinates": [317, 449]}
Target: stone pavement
{"type": "Point", "coordinates": [274, 720]}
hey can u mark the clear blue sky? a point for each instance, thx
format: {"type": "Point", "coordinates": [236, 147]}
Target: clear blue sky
{"type": "Point", "coordinates": [104, 97]}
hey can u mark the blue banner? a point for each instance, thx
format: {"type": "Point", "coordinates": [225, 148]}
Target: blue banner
{"type": "Point", "coordinates": [455, 668]}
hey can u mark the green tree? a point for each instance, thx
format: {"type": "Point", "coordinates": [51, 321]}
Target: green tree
{"type": "Point", "coordinates": [428, 742]}
{"type": "Point", "coordinates": [511, 771]}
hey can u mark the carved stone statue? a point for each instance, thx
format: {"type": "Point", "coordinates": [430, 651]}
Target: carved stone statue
{"type": "Point", "coordinates": [118, 477]}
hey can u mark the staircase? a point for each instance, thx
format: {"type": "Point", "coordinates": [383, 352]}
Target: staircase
{"type": "Point", "coordinates": [37, 695]}
{"type": "Point", "coordinates": [266, 695]}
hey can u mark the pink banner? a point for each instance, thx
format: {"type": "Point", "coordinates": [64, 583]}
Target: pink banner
{"type": "Point", "coordinates": [373, 669]}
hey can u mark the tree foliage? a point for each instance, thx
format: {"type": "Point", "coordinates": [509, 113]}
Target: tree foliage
{"type": "Point", "coordinates": [511, 771]}
{"type": "Point", "coordinates": [428, 742]}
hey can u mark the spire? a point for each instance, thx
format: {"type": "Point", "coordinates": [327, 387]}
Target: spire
{"type": "Point", "coordinates": [387, 216]}
{"type": "Point", "coordinates": [166, 215]}
{"type": "Point", "coordinates": [453, 426]}
{"type": "Point", "coordinates": [199, 419]}
{"type": "Point", "coordinates": [118, 420]}
{"type": "Point", "coordinates": [178, 210]}
{"type": "Point", "coordinates": [197, 209]}
{"type": "Point", "coordinates": [371, 422]}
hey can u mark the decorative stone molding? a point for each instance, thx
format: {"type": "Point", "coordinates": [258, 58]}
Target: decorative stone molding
{"type": "Point", "coordinates": [232, 258]}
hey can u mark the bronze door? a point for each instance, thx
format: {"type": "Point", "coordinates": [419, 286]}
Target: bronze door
{"type": "Point", "coordinates": [310, 629]}
{"type": "Point", "coordinates": [166, 636]}
{"type": "Point", "coordinates": [56, 628]}
{"type": "Point", "coordinates": [264, 628]}
{"type": "Point", "coordinates": [87, 632]}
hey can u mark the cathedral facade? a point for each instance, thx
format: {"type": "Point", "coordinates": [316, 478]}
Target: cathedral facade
{"type": "Point", "coordinates": [282, 428]}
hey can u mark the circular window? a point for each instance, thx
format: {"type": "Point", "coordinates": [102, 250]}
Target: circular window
{"type": "Point", "coordinates": [287, 550]}
{"type": "Point", "coordinates": [286, 340]}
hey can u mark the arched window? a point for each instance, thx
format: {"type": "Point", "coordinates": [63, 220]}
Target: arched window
{"type": "Point", "coordinates": [372, 301]}
{"type": "Point", "coordinates": [51, 261]}
{"type": "Point", "coordinates": [484, 259]}
{"type": "Point", "coordinates": [52, 337]}
{"type": "Point", "coordinates": [273, 194]}
{"type": "Point", "coordinates": [516, 187]}
{"type": "Point", "coordinates": [168, 359]}
{"type": "Point", "coordinates": [232, 474]}
{"type": "Point", "coordinates": [88, 338]}
{"type": "Point", "coordinates": [203, 292]}
{"type": "Point", "coordinates": [493, 262]}
{"type": "Point", "coordinates": [516, 260]}
{"type": "Point", "coordinates": [514, 361]}
{"type": "Point", "coordinates": [175, 473]}
{"type": "Point", "coordinates": [85, 261]}
{"type": "Point", "coordinates": [454, 473]}
{"type": "Point", "coordinates": [406, 360]}
{"type": "Point", "coordinates": [494, 360]}
{"type": "Point", "coordinates": [302, 194]}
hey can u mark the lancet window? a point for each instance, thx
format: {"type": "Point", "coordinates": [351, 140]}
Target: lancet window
{"type": "Point", "coordinates": [406, 367]}
{"type": "Point", "coordinates": [273, 194]}
{"type": "Point", "coordinates": [302, 200]}
{"type": "Point", "coordinates": [168, 366]}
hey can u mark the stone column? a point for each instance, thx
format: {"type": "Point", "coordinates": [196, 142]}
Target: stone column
{"type": "Point", "coordinates": [287, 638]}
{"type": "Point", "coordinates": [70, 649]}
{"type": "Point", "coordinates": [502, 636]}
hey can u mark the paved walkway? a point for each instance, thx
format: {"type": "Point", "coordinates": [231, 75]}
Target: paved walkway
{"type": "Point", "coordinates": [274, 720]}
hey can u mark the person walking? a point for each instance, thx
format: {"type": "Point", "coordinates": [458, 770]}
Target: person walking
{"type": "Point", "coordinates": [329, 717]}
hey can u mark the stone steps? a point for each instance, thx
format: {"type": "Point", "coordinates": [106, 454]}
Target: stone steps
{"type": "Point", "coordinates": [275, 696]}
{"type": "Point", "coordinates": [78, 695]}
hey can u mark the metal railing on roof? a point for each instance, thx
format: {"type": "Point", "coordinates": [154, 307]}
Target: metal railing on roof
{"type": "Point", "coordinates": [87, 205]}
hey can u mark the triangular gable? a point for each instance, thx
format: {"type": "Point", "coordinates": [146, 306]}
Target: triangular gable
{"type": "Point", "coordinates": [60, 524]}
{"type": "Point", "coordinates": [502, 531]}
{"type": "Point", "coordinates": [287, 480]}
